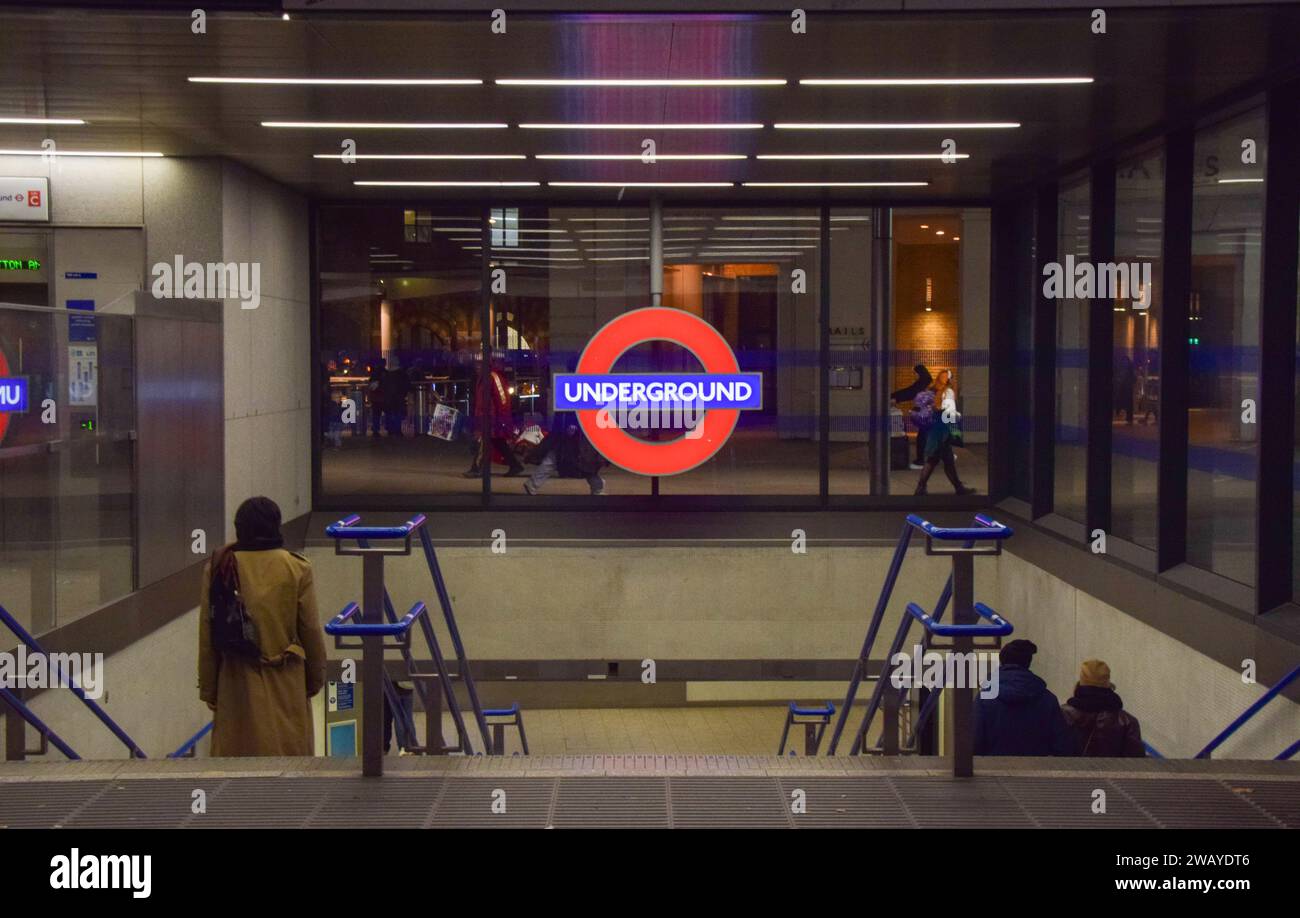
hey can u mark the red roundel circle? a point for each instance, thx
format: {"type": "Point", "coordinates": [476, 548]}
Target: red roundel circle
{"type": "Point", "coordinates": [656, 323]}
{"type": "Point", "coordinates": [4, 415]}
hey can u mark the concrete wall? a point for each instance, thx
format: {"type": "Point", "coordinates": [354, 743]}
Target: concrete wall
{"type": "Point", "coordinates": [1182, 697]}
{"type": "Point", "coordinates": [680, 603]}
{"type": "Point", "coordinates": [151, 690]}
{"type": "Point", "coordinates": [267, 359]}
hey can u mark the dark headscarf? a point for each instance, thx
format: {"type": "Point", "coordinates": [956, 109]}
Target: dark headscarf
{"type": "Point", "coordinates": [257, 525]}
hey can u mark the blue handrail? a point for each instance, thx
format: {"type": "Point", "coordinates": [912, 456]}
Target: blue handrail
{"type": "Point", "coordinates": [32, 644]}
{"type": "Point", "coordinates": [190, 743]}
{"type": "Point", "coordinates": [1289, 751]}
{"type": "Point", "coordinates": [1000, 627]}
{"type": "Point", "coordinates": [1152, 750]}
{"type": "Point", "coordinates": [346, 528]}
{"type": "Point", "coordinates": [28, 715]}
{"type": "Point", "coordinates": [988, 530]}
{"type": "Point", "coordinates": [338, 624]}
{"type": "Point", "coordinates": [1250, 712]}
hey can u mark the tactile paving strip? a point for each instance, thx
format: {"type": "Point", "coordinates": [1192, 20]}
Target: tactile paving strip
{"type": "Point", "coordinates": [866, 800]}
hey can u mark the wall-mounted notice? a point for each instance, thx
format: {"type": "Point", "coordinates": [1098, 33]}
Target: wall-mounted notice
{"type": "Point", "coordinates": [83, 375]}
{"type": "Point", "coordinates": [25, 199]}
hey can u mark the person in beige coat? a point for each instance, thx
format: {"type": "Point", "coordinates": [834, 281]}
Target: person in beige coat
{"type": "Point", "coordinates": [261, 703]}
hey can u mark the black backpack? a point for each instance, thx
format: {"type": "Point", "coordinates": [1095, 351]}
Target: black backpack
{"type": "Point", "coordinates": [233, 632]}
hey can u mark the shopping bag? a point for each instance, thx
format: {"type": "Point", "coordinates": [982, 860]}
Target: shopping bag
{"type": "Point", "coordinates": [444, 421]}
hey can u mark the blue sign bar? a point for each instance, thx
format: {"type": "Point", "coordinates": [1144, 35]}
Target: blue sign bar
{"type": "Point", "coordinates": [13, 393]}
{"type": "Point", "coordinates": [81, 275]}
{"type": "Point", "coordinates": [590, 391]}
{"type": "Point", "coordinates": [88, 305]}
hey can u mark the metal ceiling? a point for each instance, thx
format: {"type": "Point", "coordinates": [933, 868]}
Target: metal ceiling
{"type": "Point", "coordinates": [125, 73]}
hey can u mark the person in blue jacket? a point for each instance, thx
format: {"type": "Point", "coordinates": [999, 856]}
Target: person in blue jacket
{"type": "Point", "coordinates": [1024, 718]}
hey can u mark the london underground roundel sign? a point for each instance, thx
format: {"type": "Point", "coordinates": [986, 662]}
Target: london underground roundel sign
{"type": "Point", "coordinates": [706, 405]}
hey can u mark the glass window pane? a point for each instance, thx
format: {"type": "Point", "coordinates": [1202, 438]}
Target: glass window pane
{"type": "Point", "coordinates": [736, 269]}
{"type": "Point", "coordinates": [850, 350]}
{"type": "Point", "coordinates": [1223, 332]}
{"type": "Point", "coordinates": [940, 323]}
{"type": "Point", "coordinates": [568, 271]}
{"type": "Point", "coordinates": [1135, 440]}
{"type": "Point", "coordinates": [399, 331]}
{"type": "Point", "coordinates": [1069, 491]}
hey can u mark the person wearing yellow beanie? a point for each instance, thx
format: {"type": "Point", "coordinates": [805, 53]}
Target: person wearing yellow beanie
{"type": "Point", "coordinates": [1096, 714]}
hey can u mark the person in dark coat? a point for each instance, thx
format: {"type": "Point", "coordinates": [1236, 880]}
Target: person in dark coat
{"type": "Point", "coordinates": [1025, 718]}
{"type": "Point", "coordinates": [1096, 715]}
{"type": "Point", "coordinates": [906, 394]}
{"type": "Point", "coordinates": [566, 452]}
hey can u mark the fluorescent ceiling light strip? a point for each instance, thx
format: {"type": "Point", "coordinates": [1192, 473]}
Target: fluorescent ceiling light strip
{"type": "Point", "coordinates": [618, 248]}
{"type": "Point", "coordinates": [949, 81]}
{"type": "Point", "coordinates": [1239, 181]}
{"type": "Point", "coordinates": [510, 249]}
{"type": "Point", "coordinates": [385, 125]}
{"type": "Point", "coordinates": [338, 81]}
{"type": "Point", "coordinates": [762, 239]}
{"type": "Point", "coordinates": [835, 156]}
{"type": "Point", "coordinates": [641, 184]}
{"type": "Point", "coordinates": [758, 247]}
{"type": "Point", "coordinates": [452, 184]}
{"type": "Point", "coordinates": [57, 153]}
{"type": "Point", "coordinates": [769, 218]}
{"type": "Point", "coordinates": [622, 258]}
{"type": "Point", "coordinates": [9, 120]}
{"type": "Point", "coordinates": [419, 156]}
{"type": "Point", "coordinates": [893, 125]}
{"type": "Point", "coordinates": [631, 156]}
{"type": "Point", "coordinates": [729, 81]}
{"type": "Point", "coordinates": [833, 184]}
{"type": "Point", "coordinates": [684, 126]}
{"type": "Point", "coordinates": [608, 220]}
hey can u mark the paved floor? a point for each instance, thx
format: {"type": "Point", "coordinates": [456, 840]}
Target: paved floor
{"type": "Point", "coordinates": [651, 791]}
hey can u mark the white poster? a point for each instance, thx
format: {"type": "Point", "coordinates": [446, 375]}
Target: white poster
{"type": "Point", "coordinates": [25, 199]}
{"type": "Point", "coordinates": [83, 375]}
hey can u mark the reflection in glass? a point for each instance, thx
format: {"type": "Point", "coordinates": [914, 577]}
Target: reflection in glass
{"type": "Point", "coordinates": [1139, 234]}
{"type": "Point", "coordinates": [1223, 348]}
{"type": "Point", "coordinates": [1069, 491]}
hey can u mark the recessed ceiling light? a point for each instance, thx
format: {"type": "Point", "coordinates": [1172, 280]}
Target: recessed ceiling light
{"type": "Point", "coordinates": [834, 184]}
{"type": "Point", "coordinates": [938, 232]}
{"type": "Point", "coordinates": [956, 239]}
{"type": "Point", "coordinates": [41, 121]}
{"type": "Point", "coordinates": [893, 125]}
{"type": "Point", "coordinates": [641, 184]}
{"type": "Point", "coordinates": [57, 153]}
{"type": "Point", "coordinates": [833, 156]}
{"type": "Point", "coordinates": [636, 82]}
{"type": "Point", "coordinates": [949, 81]}
{"type": "Point", "coordinates": [382, 125]}
{"type": "Point", "coordinates": [631, 156]}
{"type": "Point", "coordinates": [925, 226]}
{"type": "Point", "coordinates": [334, 81]}
{"type": "Point", "coordinates": [453, 184]}
{"type": "Point", "coordinates": [465, 156]}
{"type": "Point", "coordinates": [683, 126]}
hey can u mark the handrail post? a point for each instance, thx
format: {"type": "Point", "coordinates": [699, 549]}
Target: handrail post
{"type": "Point", "coordinates": [15, 732]}
{"type": "Point", "coordinates": [372, 666]}
{"type": "Point", "coordinates": [961, 700]}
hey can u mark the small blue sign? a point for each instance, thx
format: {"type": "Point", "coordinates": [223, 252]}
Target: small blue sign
{"type": "Point", "coordinates": [344, 695]}
{"type": "Point", "coordinates": [87, 305]}
{"type": "Point", "coordinates": [13, 393]}
{"type": "Point", "coordinates": [80, 275]}
{"type": "Point", "coordinates": [81, 328]}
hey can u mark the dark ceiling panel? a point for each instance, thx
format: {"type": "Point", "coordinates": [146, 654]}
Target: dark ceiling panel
{"type": "Point", "coordinates": [126, 74]}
